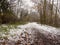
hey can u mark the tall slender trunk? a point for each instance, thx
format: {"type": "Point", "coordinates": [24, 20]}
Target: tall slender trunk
{"type": "Point", "coordinates": [44, 12]}
{"type": "Point", "coordinates": [56, 24]}
{"type": "Point", "coordinates": [51, 18]}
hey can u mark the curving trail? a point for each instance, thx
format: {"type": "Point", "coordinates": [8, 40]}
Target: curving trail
{"type": "Point", "coordinates": [32, 34]}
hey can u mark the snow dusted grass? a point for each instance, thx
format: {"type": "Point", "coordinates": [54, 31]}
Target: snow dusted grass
{"type": "Point", "coordinates": [4, 30]}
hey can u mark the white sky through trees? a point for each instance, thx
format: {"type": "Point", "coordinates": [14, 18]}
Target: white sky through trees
{"type": "Point", "coordinates": [27, 4]}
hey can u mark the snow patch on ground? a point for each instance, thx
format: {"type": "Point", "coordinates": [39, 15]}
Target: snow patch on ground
{"type": "Point", "coordinates": [21, 30]}
{"type": "Point", "coordinates": [39, 26]}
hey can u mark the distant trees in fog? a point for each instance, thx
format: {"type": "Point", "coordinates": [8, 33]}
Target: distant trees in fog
{"type": "Point", "coordinates": [48, 15]}
{"type": "Point", "coordinates": [6, 14]}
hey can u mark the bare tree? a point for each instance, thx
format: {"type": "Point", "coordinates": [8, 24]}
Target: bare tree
{"type": "Point", "coordinates": [44, 11]}
{"type": "Point", "coordinates": [51, 10]}
{"type": "Point", "coordinates": [56, 23]}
